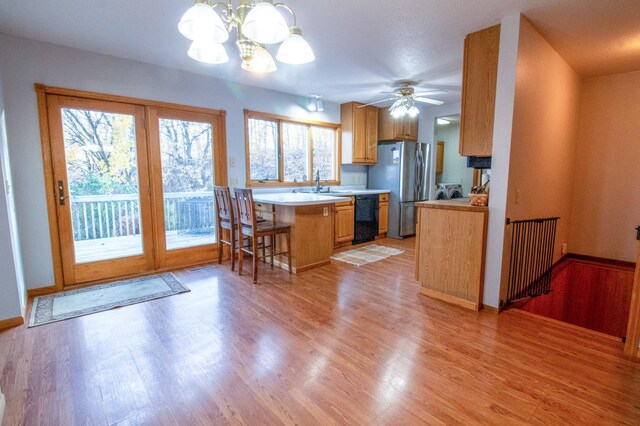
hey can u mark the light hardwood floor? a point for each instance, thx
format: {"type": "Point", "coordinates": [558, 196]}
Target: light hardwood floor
{"type": "Point", "coordinates": [334, 345]}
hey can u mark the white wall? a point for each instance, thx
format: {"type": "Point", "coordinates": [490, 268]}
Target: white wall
{"type": "Point", "coordinates": [426, 132]}
{"type": "Point", "coordinates": [12, 291]}
{"type": "Point", "coordinates": [606, 199]}
{"type": "Point", "coordinates": [503, 121]}
{"type": "Point", "coordinates": [28, 62]}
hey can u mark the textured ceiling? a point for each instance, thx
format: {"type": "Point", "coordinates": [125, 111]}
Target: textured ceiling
{"type": "Point", "coordinates": [361, 46]}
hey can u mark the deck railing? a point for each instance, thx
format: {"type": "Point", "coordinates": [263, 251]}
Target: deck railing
{"type": "Point", "coordinates": [107, 216]}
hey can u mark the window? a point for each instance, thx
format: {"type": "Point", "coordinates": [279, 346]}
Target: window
{"type": "Point", "coordinates": [286, 151]}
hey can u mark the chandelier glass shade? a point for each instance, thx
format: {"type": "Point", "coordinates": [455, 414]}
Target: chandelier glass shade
{"type": "Point", "coordinates": [261, 62]}
{"type": "Point", "coordinates": [295, 49]}
{"type": "Point", "coordinates": [265, 25]}
{"type": "Point", "coordinates": [201, 22]}
{"type": "Point", "coordinates": [256, 23]}
{"type": "Point", "coordinates": [208, 52]}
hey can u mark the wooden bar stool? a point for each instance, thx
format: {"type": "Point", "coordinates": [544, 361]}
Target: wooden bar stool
{"type": "Point", "coordinates": [225, 219]}
{"type": "Point", "coordinates": [248, 226]}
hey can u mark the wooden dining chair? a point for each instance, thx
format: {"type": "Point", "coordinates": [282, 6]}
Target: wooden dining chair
{"type": "Point", "coordinates": [225, 219]}
{"type": "Point", "coordinates": [249, 226]}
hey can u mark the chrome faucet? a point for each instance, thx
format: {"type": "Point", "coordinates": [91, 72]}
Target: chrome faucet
{"type": "Point", "coordinates": [318, 186]}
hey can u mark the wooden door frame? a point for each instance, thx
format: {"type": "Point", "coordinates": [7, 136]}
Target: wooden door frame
{"type": "Point", "coordinates": [42, 92]}
{"type": "Point", "coordinates": [73, 272]}
{"type": "Point", "coordinates": [191, 255]}
{"type": "Point", "coordinates": [633, 326]}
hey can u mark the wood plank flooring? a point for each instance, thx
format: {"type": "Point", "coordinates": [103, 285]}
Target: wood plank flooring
{"type": "Point", "coordinates": [334, 345]}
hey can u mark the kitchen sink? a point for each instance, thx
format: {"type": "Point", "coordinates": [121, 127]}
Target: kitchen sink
{"type": "Point", "coordinates": [324, 191]}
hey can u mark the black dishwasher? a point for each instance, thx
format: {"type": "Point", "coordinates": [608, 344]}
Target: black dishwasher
{"type": "Point", "coordinates": [366, 212]}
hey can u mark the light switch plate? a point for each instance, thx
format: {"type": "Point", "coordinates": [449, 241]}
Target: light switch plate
{"type": "Point", "coordinates": [232, 161]}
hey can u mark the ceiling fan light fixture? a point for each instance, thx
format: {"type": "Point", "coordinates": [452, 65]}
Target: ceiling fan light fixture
{"type": "Point", "coordinates": [261, 62]}
{"type": "Point", "coordinates": [413, 111]}
{"type": "Point", "coordinates": [208, 52]}
{"type": "Point", "coordinates": [264, 24]}
{"type": "Point", "coordinates": [295, 50]}
{"type": "Point", "coordinates": [201, 22]}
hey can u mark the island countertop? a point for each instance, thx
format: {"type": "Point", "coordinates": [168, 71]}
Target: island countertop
{"type": "Point", "coordinates": [455, 204]}
{"type": "Point", "coordinates": [296, 199]}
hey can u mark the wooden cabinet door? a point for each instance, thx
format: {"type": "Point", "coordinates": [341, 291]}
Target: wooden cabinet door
{"type": "Point", "coordinates": [479, 74]}
{"type": "Point", "coordinates": [403, 128]}
{"type": "Point", "coordinates": [439, 156]}
{"type": "Point", "coordinates": [411, 129]}
{"type": "Point", "coordinates": [360, 134]}
{"type": "Point", "coordinates": [372, 134]}
{"type": "Point", "coordinates": [344, 224]}
{"type": "Point", "coordinates": [383, 218]}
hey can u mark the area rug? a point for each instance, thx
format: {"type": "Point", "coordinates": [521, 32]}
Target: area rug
{"type": "Point", "coordinates": [89, 300]}
{"type": "Point", "coordinates": [367, 254]}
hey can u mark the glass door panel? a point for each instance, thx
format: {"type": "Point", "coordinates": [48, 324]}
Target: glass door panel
{"type": "Point", "coordinates": [186, 150]}
{"type": "Point", "coordinates": [103, 184]}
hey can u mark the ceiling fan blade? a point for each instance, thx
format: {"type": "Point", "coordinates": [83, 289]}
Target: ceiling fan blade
{"type": "Point", "coordinates": [376, 102]}
{"type": "Point", "coordinates": [428, 101]}
{"type": "Point", "coordinates": [432, 92]}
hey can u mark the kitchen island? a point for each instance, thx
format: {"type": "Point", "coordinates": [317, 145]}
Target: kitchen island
{"type": "Point", "coordinates": [450, 251]}
{"type": "Point", "coordinates": [311, 220]}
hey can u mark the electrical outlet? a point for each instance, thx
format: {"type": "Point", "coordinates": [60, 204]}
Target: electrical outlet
{"type": "Point", "coordinates": [565, 248]}
{"type": "Point", "coordinates": [232, 161]}
{"type": "Point", "coordinates": [233, 181]}
{"type": "Point", "coordinates": [517, 196]}
{"type": "Point", "coordinates": [325, 211]}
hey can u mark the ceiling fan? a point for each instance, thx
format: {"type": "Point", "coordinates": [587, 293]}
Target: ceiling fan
{"type": "Point", "coordinates": [405, 98]}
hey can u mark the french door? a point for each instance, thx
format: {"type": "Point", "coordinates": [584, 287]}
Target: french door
{"type": "Point", "coordinates": [133, 186]}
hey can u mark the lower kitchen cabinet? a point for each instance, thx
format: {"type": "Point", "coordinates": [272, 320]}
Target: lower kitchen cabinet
{"type": "Point", "coordinates": [383, 214]}
{"type": "Point", "coordinates": [344, 220]}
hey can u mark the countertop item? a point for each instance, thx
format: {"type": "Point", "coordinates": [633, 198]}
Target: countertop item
{"type": "Point", "coordinates": [296, 199]}
{"type": "Point", "coordinates": [455, 204]}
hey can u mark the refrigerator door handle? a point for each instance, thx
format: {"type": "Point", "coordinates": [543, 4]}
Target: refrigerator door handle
{"type": "Point", "coordinates": [418, 176]}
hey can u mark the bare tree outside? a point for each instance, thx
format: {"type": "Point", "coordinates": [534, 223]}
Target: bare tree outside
{"type": "Point", "coordinates": [295, 150]}
{"type": "Point", "coordinates": [263, 149]}
{"type": "Point", "coordinates": [102, 171]}
{"type": "Point", "coordinates": [297, 141]}
{"type": "Point", "coordinates": [187, 181]}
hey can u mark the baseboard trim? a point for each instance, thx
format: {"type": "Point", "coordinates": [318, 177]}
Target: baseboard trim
{"type": "Point", "coordinates": [11, 322]}
{"type": "Point", "coordinates": [451, 299]}
{"type": "Point", "coordinates": [42, 291]}
{"type": "Point", "coordinates": [490, 309]}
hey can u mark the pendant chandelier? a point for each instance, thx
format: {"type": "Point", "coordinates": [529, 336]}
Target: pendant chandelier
{"type": "Point", "coordinates": [257, 23]}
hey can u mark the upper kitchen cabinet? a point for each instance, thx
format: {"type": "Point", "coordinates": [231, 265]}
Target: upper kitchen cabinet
{"type": "Point", "coordinates": [359, 133]}
{"type": "Point", "coordinates": [479, 74]}
{"type": "Point", "coordinates": [403, 128]}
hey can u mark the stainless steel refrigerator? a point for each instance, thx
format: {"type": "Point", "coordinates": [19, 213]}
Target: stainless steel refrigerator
{"type": "Point", "coordinates": [403, 169]}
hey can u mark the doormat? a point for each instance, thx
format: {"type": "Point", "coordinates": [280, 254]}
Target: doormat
{"type": "Point", "coordinates": [367, 254]}
{"type": "Point", "coordinates": [89, 300]}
